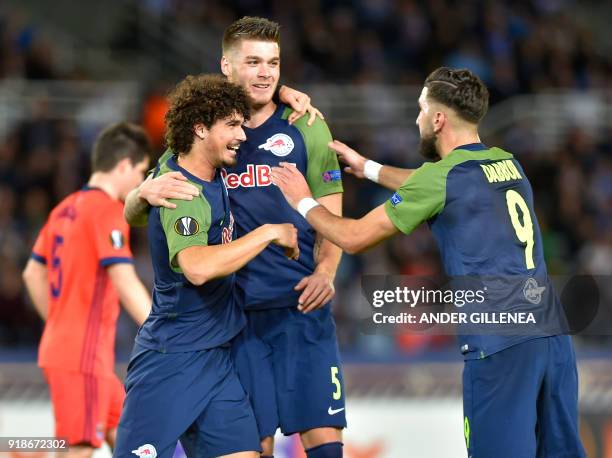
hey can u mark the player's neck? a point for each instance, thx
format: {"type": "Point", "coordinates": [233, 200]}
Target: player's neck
{"type": "Point", "coordinates": [104, 181]}
{"type": "Point", "coordinates": [197, 164]}
{"type": "Point", "coordinates": [260, 114]}
{"type": "Point", "coordinates": [447, 143]}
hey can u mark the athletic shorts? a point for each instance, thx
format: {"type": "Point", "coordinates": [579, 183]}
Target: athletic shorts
{"type": "Point", "coordinates": [523, 402]}
{"type": "Point", "coordinates": [85, 406]}
{"type": "Point", "coordinates": [169, 393]}
{"type": "Point", "coordinates": [289, 364]}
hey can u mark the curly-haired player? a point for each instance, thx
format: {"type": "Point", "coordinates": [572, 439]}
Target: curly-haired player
{"type": "Point", "coordinates": [181, 375]}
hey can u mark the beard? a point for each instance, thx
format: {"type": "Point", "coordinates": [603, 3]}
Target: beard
{"type": "Point", "coordinates": [427, 147]}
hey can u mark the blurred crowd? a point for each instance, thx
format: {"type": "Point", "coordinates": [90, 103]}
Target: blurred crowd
{"type": "Point", "coordinates": [516, 47]}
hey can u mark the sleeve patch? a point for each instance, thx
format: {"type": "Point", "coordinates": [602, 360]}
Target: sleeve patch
{"type": "Point", "coordinates": [186, 226]}
{"type": "Point", "coordinates": [116, 239]}
{"type": "Point", "coordinates": [395, 199]}
{"type": "Point", "coordinates": [332, 175]}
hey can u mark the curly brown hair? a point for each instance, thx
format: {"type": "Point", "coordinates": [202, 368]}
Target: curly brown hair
{"type": "Point", "coordinates": [460, 90]}
{"type": "Point", "coordinates": [201, 99]}
{"type": "Point", "coordinates": [250, 28]}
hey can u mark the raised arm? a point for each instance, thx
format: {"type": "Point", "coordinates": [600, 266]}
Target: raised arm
{"type": "Point", "coordinates": [389, 177]}
{"type": "Point", "coordinates": [204, 263]}
{"type": "Point", "coordinates": [300, 103]}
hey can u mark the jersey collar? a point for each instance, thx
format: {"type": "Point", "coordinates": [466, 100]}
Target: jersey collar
{"type": "Point", "coordinates": [174, 166]}
{"type": "Point", "coordinates": [280, 108]}
{"type": "Point", "coordinates": [472, 147]}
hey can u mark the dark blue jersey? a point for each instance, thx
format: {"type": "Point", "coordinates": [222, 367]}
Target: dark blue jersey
{"type": "Point", "coordinates": [186, 317]}
{"type": "Point", "coordinates": [479, 205]}
{"type": "Point", "coordinates": [268, 280]}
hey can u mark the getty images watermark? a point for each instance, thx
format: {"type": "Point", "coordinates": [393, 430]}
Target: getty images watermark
{"type": "Point", "coordinates": [505, 305]}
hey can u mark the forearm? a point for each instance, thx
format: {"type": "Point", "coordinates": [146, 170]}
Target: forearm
{"type": "Point", "coordinates": [132, 293]}
{"type": "Point", "coordinates": [136, 210]}
{"type": "Point", "coordinates": [328, 255]}
{"type": "Point", "coordinates": [35, 280]}
{"type": "Point", "coordinates": [204, 263]}
{"type": "Point", "coordinates": [336, 231]}
{"type": "Point", "coordinates": [327, 258]}
{"type": "Point", "coordinates": [137, 302]}
{"type": "Point", "coordinates": [393, 177]}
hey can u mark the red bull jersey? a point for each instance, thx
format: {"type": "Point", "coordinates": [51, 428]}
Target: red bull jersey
{"type": "Point", "coordinates": [268, 280]}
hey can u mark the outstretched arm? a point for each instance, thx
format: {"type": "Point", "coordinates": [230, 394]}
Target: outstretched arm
{"type": "Point", "coordinates": [389, 177]}
{"type": "Point", "coordinates": [352, 235]}
{"type": "Point", "coordinates": [156, 192]}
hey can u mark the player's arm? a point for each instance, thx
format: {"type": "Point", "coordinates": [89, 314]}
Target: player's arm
{"type": "Point", "coordinates": [36, 282]}
{"type": "Point", "coordinates": [385, 175]}
{"type": "Point", "coordinates": [300, 103]}
{"type": "Point", "coordinates": [419, 199]}
{"type": "Point", "coordinates": [318, 289]}
{"type": "Point", "coordinates": [132, 293]}
{"type": "Point", "coordinates": [156, 192]}
{"type": "Point", "coordinates": [204, 263]}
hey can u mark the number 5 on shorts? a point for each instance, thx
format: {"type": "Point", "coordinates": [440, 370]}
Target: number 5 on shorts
{"type": "Point", "coordinates": [334, 378]}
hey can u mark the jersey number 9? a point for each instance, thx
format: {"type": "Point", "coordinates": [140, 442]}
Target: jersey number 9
{"type": "Point", "coordinates": [524, 230]}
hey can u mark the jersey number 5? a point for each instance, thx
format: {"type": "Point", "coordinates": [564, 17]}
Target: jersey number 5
{"type": "Point", "coordinates": [334, 378]}
{"type": "Point", "coordinates": [524, 230]}
{"type": "Point", "coordinates": [56, 266]}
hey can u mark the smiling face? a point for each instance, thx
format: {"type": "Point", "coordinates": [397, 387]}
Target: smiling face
{"type": "Point", "coordinates": [223, 139]}
{"type": "Point", "coordinates": [254, 65]}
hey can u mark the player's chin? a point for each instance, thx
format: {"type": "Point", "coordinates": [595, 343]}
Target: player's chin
{"type": "Point", "coordinates": [229, 159]}
{"type": "Point", "coordinates": [262, 98]}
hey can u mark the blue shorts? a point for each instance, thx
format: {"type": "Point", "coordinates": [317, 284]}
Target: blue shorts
{"type": "Point", "coordinates": [289, 364]}
{"type": "Point", "coordinates": [169, 392]}
{"type": "Point", "coordinates": [523, 402]}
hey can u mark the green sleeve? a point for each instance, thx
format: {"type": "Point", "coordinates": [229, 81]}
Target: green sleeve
{"type": "Point", "coordinates": [185, 226]}
{"type": "Point", "coordinates": [323, 171]}
{"type": "Point", "coordinates": [161, 161]}
{"type": "Point", "coordinates": [420, 198]}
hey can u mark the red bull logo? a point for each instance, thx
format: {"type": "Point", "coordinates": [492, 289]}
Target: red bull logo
{"type": "Point", "coordinates": [145, 451]}
{"type": "Point", "coordinates": [278, 144]}
{"type": "Point", "coordinates": [255, 175]}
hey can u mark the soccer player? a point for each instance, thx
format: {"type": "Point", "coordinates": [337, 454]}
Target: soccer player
{"type": "Point", "coordinates": [287, 357]}
{"type": "Point", "coordinates": [81, 265]}
{"type": "Point", "coordinates": [519, 392]}
{"type": "Point", "coordinates": [181, 373]}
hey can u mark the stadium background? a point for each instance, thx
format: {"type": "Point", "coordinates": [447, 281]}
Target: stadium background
{"type": "Point", "coordinates": [67, 68]}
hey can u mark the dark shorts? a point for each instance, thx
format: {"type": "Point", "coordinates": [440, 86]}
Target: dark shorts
{"type": "Point", "coordinates": [289, 364]}
{"type": "Point", "coordinates": [523, 402]}
{"type": "Point", "coordinates": [169, 393]}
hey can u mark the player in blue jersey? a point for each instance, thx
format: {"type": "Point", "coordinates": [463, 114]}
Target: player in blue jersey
{"type": "Point", "coordinates": [181, 375]}
{"type": "Point", "coordinates": [287, 357]}
{"type": "Point", "coordinates": [519, 392]}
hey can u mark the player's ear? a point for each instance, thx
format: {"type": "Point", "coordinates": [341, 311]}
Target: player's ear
{"type": "Point", "coordinates": [226, 68]}
{"type": "Point", "coordinates": [439, 120]}
{"type": "Point", "coordinates": [200, 131]}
